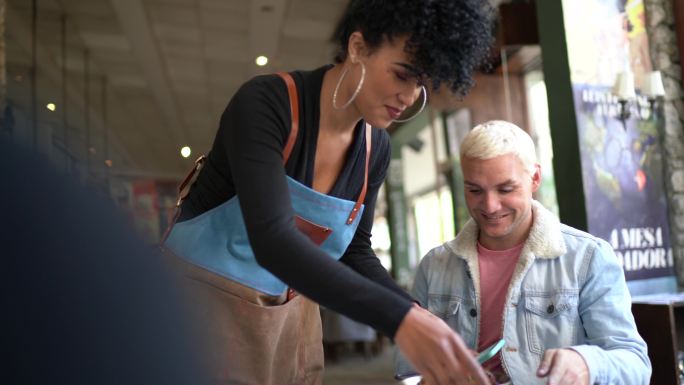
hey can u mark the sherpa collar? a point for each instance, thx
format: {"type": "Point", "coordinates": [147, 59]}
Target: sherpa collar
{"type": "Point", "coordinates": [544, 241]}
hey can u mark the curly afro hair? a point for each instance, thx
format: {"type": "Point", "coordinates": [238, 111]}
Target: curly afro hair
{"type": "Point", "coordinates": [447, 39]}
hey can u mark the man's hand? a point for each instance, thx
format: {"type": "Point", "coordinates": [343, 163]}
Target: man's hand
{"type": "Point", "coordinates": [564, 367]}
{"type": "Point", "coordinates": [436, 351]}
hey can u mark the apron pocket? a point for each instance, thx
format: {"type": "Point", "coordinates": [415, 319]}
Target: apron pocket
{"type": "Point", "coordinates": [317, 233]}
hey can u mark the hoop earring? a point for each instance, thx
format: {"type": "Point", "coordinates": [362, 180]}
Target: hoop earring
{"type": "Point", "coordinates": [422, 107]}
{"type": "Point", "coordinates": [356, 91]}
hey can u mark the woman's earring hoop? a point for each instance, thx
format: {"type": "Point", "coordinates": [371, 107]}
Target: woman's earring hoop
{"type": "Point", "coordinates": [422, 107]}
{"type": "Point", "coordinates": [356, 91]}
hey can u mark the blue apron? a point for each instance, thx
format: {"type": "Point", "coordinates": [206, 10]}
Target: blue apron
{"type": "Point", "coordinates": [217, 239]}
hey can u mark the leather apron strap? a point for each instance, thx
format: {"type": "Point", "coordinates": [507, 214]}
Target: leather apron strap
{"type": "Point", "coordinates": [183, 191]}
{"type": "Point", "coordinates": [292, 138]}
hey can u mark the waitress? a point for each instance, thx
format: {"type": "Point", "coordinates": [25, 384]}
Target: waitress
{"type": "Point", "coordinates": [278, 219]}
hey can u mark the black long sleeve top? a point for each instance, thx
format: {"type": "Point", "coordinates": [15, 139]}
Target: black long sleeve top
{"type": "Point", "coordinates": [246, 159]}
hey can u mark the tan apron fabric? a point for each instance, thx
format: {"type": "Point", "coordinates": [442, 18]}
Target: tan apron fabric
{"type": "Point", "coordinates": [255, 339]}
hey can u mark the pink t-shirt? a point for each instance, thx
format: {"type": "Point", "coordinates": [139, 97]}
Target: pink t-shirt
{"type": "Point", "coordinates": [496, 270]}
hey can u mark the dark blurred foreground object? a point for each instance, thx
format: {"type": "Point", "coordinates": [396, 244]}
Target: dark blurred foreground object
{"type": "Point", "coordinates": [83, 300]}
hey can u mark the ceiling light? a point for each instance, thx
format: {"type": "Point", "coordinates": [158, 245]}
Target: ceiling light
{"type": "Point", "coordinates": [261, 61]}
{"type": "Point", "coordinates": [51, 106]}
{"type": "Point", "coordinates": [185, 152]}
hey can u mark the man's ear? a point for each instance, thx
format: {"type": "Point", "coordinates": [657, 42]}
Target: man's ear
{"type": "Point", "coordinates": [356, 47]}
{"type": "Point", "coordinates": [536, 177]}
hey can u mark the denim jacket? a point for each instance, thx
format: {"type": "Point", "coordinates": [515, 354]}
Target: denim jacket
{"type": "Point", "coordinates": [567, 291]}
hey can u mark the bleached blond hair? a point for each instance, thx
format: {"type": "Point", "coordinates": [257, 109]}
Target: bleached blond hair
{"type": "Point", "coordinates": [497, 137]}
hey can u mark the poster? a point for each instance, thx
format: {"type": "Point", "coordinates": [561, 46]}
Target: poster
{"type": "Point", "coordinates": [622, 169]}
{"type": "Point", "coordinates": [622, 165]}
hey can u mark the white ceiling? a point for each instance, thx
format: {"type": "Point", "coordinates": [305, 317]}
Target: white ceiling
{"type": "Point", "coordinates": [170, 65]}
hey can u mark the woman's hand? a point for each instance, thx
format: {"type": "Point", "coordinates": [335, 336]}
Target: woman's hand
{"type": "Point", "coordinates": [437, 352]}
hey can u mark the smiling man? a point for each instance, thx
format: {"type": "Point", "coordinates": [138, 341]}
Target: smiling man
{"type": "Point", "coordinates": [555, 294]}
